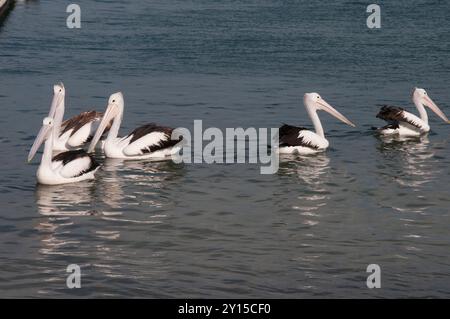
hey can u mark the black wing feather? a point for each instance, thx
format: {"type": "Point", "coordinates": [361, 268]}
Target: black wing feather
{"type": "Point", "coordinates": [69, 156]}
{"type": "Point", "coordinates": [150, 128]}
{"type": "Point", "coordinates": [394, 115]}
{"type": "Point", "coordinates": [80, 120]}
{"type": "Point", "coordinates": [390, 113]}
{"type": "Point", "coordinates": [288, 136]}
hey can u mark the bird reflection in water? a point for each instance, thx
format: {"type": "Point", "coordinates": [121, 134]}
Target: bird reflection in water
{"type": "Point", "coordinates": [313, 172]}
{"type": "Point", "coordinates": [412, 161]}
{"type": "Point", "coordinates": [70, 227]}
{"type": "Point", "coordinates": [59, 205]}
{"type": "Point", "coordinates": [412, 164]}
{"type": "Point", "coordinates": [310, 169]}
{"type": "Point", "coordinates": [121, 186]}
{"type": "Point", "coordinates": [65, 200]}
{"type": "Point", "coordinates": [89, 218]}
{"type": "Point", "coordinates": [127, 184]}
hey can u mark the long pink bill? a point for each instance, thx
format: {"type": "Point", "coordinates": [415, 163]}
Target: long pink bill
{"type": "Point", "coordinates": [328, 108]}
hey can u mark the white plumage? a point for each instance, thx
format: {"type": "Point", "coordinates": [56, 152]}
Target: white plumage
{"type": "Point", "coordinates": [74, 132]}
{"type": "Point", "coordinates": [300, 140]}
{"type": "Point", "coordinates": [66, 167]}
{"type": "Point", "coordinates": [404, 123]}
{"type": "Point", "coordinates": [146, 141]}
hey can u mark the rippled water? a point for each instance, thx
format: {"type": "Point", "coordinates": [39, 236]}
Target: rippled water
{"type": "Point", "coordinates": [159, 229]}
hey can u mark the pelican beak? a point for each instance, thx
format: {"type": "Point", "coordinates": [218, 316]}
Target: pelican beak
{"type": "Point", "coordinates": [111, 112]}
{"type": "Point", "coordinates": [58, 97]}
{"type": "Point", "coordinates": [429, 102]}
{"type": "Point", "coordinates": [328, 108]}
{"type": "Point", "coordinates": [42, 135]}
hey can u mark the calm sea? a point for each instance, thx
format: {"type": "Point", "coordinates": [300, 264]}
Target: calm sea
{"type": "Point", "coordinates": [146, 229]}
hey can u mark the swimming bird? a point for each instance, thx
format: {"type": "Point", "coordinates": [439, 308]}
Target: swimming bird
{"type": "Point", "coordinates": [74, 132]}
{"type": "Point", "coordinates": [146, 141]}
{"type": "Point", "coordinates": [66, 167]}
{"type": "Point", "coordinates": [300, 140]}
{"type": "Point", "coordinates": [406, 124]}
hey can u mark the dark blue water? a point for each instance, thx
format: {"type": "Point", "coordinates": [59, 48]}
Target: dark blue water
{"type": "Point", "coordinates": [144, 229]}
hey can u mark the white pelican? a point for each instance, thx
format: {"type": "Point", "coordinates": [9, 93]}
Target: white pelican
{"type": "Point", "coordinates": [66, 167]}
{"type": "Point", "coordinates": [300, 140]}
{"type": "Point", "coordinates": [147, 141]}
{"type": "Point", "coordinates": [74, 132]}
{"type": "Point", "coordinates": [406, 124]}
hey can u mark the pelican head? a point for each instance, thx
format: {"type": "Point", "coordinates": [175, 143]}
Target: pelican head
{"type": "Point", "coordinates": [116, 99]}
{"type": "Point", "coordinates": [114, 109]}
{"type": "Point", "coordinates": [59, 92]}
{"type": "Point", "coordinates": [47, 125]}
{"type": "Point", "coordinates": [420, 96]}
{"type": "Point", "coordinates": [315, 102]}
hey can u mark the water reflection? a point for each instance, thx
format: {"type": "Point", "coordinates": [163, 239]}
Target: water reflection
{"type": "Point", "coordinates": [136, 183]}
{"type": "Point", "coordinates": [65, 200]}
{"type": "Point", "coordinates": [59, 204]}
{"type": "Point", "coordinates": [71, 227]}
{"type": "Point", "coordinates": [411, 164]}
{"type": "Point", "coordinates": [119, 187]}
{"type": "Point", "coordinates": [313, 172]}
{"type": "Point", "coordinates": [90, 219]}
{"type": "Point", "coordinates": [411, 161]}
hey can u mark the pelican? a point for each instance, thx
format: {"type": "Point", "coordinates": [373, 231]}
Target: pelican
{"type": "Point", "coordinates": [300, 140]}
{"type": "Point", "coordinates": [74, 132]}
{"type": "Point", "coordinates": [146, 141]}
{"type": "Point", "coordinates": [66, 167]}
{"type": "Point", "coordinates": [406, 124]}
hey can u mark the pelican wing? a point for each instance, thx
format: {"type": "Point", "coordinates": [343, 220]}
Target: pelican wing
{"type": "Point", "coordinates": [82, 135]}
{"type": "Point", "coordinates": [75, 163]}
{"type": "Point", "coordinates": [299, 136]}
{"type": "Point", "coordinates": [81, 128]}
{"type": "Point", "coordinates": [78, 121]}
{"type": "Point", "coordinates": [149, 138]}
{"type": "Point", "coordinates": [396, 115]}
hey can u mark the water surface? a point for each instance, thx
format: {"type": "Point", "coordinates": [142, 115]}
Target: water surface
{"type": "Point", "coordinates": [146, 229]}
